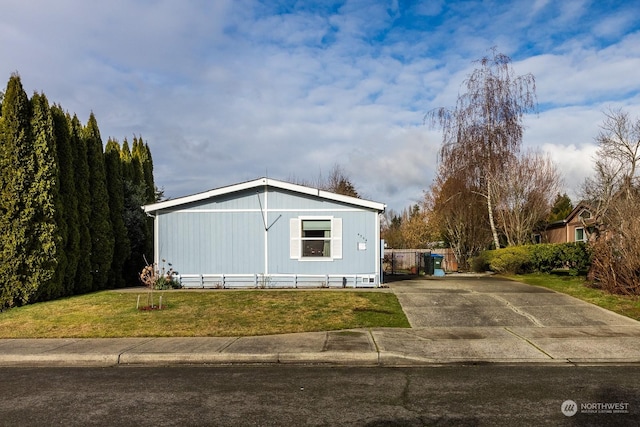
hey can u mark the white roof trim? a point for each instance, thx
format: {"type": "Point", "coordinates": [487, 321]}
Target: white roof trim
{"type": "Point", "coordinates": [260, 183]}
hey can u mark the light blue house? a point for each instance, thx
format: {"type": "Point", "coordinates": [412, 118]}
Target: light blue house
{"type": "Point", "coordinates": [269, 233]}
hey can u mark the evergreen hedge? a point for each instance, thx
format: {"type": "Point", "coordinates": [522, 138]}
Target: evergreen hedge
{"type": "Point", "coordinates": [544, 258]}
{"type": "Point", "coordinates": [68, 210]}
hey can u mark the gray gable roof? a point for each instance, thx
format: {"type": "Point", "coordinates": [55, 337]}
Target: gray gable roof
{"type": "Point", "coordinates": [264, 182]}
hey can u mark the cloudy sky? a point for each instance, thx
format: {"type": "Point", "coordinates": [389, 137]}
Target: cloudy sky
{"type": "Point", "coordinates": [226, 91]}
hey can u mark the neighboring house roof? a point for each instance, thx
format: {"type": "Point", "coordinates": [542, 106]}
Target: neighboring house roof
{"type": "Point", "coordinates": [562, 223]}
{"type": "Point", "coordinates": [580, 207]}
{"type": "Point", "coordinates": [260, 183]}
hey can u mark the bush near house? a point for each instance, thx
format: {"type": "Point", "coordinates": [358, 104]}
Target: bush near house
{"type": "Point", "coordinates": [543, 258]}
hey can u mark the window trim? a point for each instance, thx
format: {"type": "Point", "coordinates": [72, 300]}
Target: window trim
{"type": "Point", "coordinates": [575, 234]}
{"type": "Point", "coordinates": [296, 240]}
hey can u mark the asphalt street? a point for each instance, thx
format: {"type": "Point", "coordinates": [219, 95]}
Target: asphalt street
{"type": "Point", "coordinates": [272, 395]}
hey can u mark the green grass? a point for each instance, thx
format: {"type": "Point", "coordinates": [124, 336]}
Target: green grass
{"type": "Point", "coordinates": [576, 287]}
{"type": "Point", "coordinates": [109, 314]}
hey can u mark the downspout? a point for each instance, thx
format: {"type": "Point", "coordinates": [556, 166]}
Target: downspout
{"type": "Point", "coordinates": [378, 249]}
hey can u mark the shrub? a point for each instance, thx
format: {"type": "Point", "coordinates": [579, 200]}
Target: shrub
{"type": "Point", "coordinates": [513, 260]}
{"type": "Point", "coordinates": [576, 257]}
{"type": "Point", "coordinates": [546, 257]}
{"type": "Point", "coordinates": [166, 282]}
{"type": "Point", "coordinates": [480, 263]}
{"type": "Point", "coordinates": [543, 258]}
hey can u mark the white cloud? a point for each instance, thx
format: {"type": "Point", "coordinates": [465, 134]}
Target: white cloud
{"type": "Point", "coordinates": [567, 134]}
{"type": "Point", "coordinates": [227, 91]}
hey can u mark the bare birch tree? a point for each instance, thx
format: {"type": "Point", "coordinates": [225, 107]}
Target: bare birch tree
{"type": "Point", "coordinates": [619, 142]}
{"type": "Point", "coordinates": [485, 128]}
{"type": "Point", "coordinates": [614, 195]}
{"type": "Point", "coordinates": [524, 191]}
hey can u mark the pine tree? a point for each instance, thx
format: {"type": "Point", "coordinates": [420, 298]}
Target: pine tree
{"type": "Point", "coordinates": [100, 227]}
{"type": "Point", "coordinates": [115, 187]}
{"type": "Point", "coordinates": [46, 252]}
{"type": "Point", "coordinates": [67, 200]}
{"type": "Point", "coordinates": [562, 207]}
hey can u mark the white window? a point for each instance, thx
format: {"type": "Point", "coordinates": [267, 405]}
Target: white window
{"type": "Point", "coordinates": [315, 238]}
{"type": "Point", "coordinates": [579, 234]}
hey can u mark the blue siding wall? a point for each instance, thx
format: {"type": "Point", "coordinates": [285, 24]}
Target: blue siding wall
{"type": "Point", "coordinates": [226, 235]}
{"type": "Point", "coordinates": [206, 243]}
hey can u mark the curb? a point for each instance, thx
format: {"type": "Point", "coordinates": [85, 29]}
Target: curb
{"type": "Point", "coordinates": [58, 360]}
{"type": "Point", "coordinates": [331, 358]}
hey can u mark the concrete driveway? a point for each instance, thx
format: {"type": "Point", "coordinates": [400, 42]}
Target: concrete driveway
{"type": "Point", "coordinates": [491, 319]}
{"type": "Point", "coordinates": [488, 301]}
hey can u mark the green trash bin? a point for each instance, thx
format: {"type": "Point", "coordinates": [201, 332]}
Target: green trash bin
{"type": "Point", "coordinates": [428, 264]}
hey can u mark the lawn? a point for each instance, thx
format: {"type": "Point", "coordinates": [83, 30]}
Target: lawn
{"type": "Point", "coordinates": [109, 314]}
{"type": "Point", "coordinates": [575, 286]}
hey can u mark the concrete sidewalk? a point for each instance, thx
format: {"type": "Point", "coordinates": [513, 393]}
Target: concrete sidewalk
{"type": "Point", "coordinates": [453, 320]}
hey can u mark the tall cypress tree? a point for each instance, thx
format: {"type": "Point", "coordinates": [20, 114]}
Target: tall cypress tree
{"type": "Point", "coordinates": [46, 252]}
{"type": "Point", "coordinates": [67, 202]}
{"type": "Point", "coordinates": [84, 278]}
{"type": "Point", "coordinates": [134, 217]}
{"type": "Point", "coordinates": [143, 174]}
{"type": "Point", "coordinates": [125, 159]}
{"type": "Point", "coordinates": [136, 163]}
{"type": "Point", "coordinates": [28, 231]}
{"type": "Point", "coordinates": [147, 170]}
{"type": "Point", "coordinates": [70, 214]}
{"type": "Point", "coordinates": [142, 154]}
{"type": "Point", "coordinates": [115, 188]}
{"type": "Point", "coordinates": [16, 169]}
{"type": "Point", "coordinates": [100, 227]}
{"type": "Point", "coordinates": [152, 195]}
